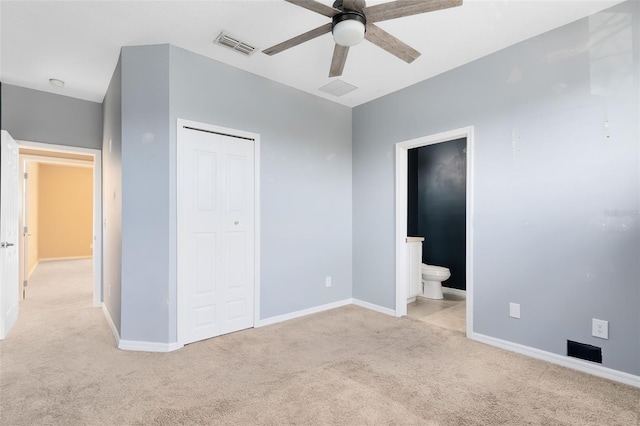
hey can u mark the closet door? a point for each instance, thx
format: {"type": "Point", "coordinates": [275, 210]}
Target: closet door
{"type": "Point", "coordinates": [216, 235]}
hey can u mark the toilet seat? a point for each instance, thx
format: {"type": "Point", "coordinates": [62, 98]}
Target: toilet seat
{"type": "Point", "coordinates": [438, 271]}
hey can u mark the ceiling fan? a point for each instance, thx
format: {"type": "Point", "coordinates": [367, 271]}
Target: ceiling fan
{"type": "Point", "coordinates": [352, 21]}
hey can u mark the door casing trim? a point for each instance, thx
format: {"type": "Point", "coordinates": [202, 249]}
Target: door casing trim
{"type": "Point", "coordinates": [256, 176]}
{"type": "Point", "coordinates": [402, 276]}
{"type": "Point", "coordinates": [97, 203]}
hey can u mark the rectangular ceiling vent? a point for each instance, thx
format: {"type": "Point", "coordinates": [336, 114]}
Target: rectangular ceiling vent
{"type": "Point", "coordinates": [225, 39]}
{"type": "Point", "coordinates": [338, 88]}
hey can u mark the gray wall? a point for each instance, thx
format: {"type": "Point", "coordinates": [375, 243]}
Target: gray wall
{"type": "Point", "coordinates": [112, 196]}
{"type": "Point", "coordinates": [305, 183]}
{"type": "Point", "coordinates": [556, 191]}
{"type": "Point", "coordinates": [145, 194]}
{"type": "Point", "coordinates": [35, 116]}
{"type": "Point", "coordinates": [305, 176]}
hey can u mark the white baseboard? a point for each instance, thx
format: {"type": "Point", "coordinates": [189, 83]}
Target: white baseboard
{"type": "Point", "coordinates": [112, 326]}
{"type": "Point", "coordinates": [455, 291]}
{"type": "Point", "coordinates": [573, 363]}
{"type": "Point", "coordinates": [322, 308]}
{"type": "Point", "coordinates": [373, 307]}
{"type": "Point", "coordinates": [131, 345]}
{"type": "Point", "coordinates": [136, 345]}
{"type": "Point", "coordinates": [50, 259]}
{"type": "Point", "coordinates": [302, 313]}
{"type": "Point", "coordinates": [33, 269]}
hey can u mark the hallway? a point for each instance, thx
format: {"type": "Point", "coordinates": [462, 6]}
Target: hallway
{"type": "Point", "coordinates": [56, 307]}
{"type": "Point", "coordinates": [63, 285]}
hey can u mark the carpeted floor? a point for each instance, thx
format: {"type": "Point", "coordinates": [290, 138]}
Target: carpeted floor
{"type": "Point", "coordinates": [348, 366]}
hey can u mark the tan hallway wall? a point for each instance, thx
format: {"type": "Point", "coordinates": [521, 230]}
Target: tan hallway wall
{"type": "Point", "coordinates": [65, 211]}
{"type": "Point", "coordinates": [33, 169]}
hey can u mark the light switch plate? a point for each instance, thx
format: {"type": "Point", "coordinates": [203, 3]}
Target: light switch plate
{"type": "Point", "coordinates": [514, 310]}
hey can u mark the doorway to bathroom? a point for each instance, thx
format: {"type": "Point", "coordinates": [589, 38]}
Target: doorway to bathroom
{"type": "Point", "coordinates": [434, 187]}
{"type": "Point", "coordinates": [436, 205]}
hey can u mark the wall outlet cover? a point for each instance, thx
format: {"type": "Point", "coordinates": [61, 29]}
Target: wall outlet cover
{"type": "Point", "coordinates": [514, 310]}
{"type": "Point", "coordinates": [600, 328]}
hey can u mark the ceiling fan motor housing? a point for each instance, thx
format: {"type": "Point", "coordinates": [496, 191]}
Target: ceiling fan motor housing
{"type": "Point", "coordinates": [348, 27]}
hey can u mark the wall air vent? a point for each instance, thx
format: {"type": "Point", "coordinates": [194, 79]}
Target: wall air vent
{"type": "Point", "coordinates": [225, 39]}
{"type": "Point", "coordinates": [584, 351]}
{"type": "Point", "coordinates": [338, 88]}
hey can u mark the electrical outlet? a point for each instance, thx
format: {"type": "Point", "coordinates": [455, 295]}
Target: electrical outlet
{"type": "Point", "coordinates": [514, 310]}
{"type": "Point", "coordinates": [327, 281]}
{"type": "Point", "coordinates": [600, 328]}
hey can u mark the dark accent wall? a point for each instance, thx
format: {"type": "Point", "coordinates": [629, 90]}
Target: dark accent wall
{"type": "Point", "coordinates": [437, 205]}
{"type": "Point", "coordinates": [412, 194]}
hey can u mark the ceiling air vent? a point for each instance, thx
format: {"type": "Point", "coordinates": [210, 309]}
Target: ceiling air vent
{"type": "Point", "coordinates": [235, 44]}
{"type": "Point", "coordinates": [338, 88]}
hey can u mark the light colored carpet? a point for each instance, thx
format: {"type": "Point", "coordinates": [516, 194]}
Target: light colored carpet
{"type": "Point", "coordinates": [348, 366]}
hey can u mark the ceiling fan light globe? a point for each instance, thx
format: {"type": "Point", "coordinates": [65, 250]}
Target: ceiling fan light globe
{"type": "Point", "coordinates": [348, 33]}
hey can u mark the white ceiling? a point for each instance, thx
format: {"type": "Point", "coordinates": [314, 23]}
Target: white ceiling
{"type": "Point", "coordinates": [79, 41]}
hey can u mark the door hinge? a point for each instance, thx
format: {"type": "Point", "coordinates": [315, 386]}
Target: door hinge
{"type": "Point", "coordinates": [24, 283]}
{"type": "Point", "coordinates": [26, 175]}
{"type": "Point", "coordinates": [25, 230]}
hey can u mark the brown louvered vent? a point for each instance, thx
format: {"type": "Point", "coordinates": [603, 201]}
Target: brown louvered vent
{"type": "Point", "coordinates": [235, 44]}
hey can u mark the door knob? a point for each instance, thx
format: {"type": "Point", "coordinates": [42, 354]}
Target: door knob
{"type": "Point", "coordinates": [7, 244]}
{"type": "Point", "coordinates": [236, 222]}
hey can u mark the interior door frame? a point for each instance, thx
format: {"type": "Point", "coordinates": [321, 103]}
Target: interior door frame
{"type": "Point", "coordinates": [256, 205]}
{"type": "Point", "coordinates": [9, 289]}
{"type": "Point", "coordinates": [402, 276]}
{"type": "Point", "coordinates": [97, 203]}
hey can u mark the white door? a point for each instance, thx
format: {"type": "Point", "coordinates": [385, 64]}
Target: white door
{"type": "Point", "coordinates": [9, 284]}
{"type": "Point", "coordinates": [216, 234]}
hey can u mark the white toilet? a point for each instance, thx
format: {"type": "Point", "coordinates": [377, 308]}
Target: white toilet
{"type": "Point", "coordinates": [432, 277]}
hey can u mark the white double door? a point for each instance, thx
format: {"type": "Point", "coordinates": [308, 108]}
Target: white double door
{"type": "Point", "coordinates": [216, 234]}
{"type": "Point", "coordinates": [9, 285]}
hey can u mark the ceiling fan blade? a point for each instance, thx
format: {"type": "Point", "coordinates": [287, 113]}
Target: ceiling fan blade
{"type": "Point", "coordinates": [338, 61]}
{"type": "Point", "coordinates": [400, 8]}
{"type": "Point", "coordinates": [314, 6]}
{"type": "Point", "coordinates": [383, 39]}
{"type": "Point", "coordinates": [357, 5]}
{"type": "Point", "coordinates": [309, 35]}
